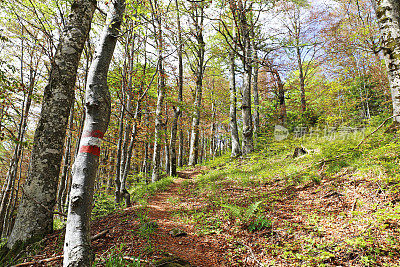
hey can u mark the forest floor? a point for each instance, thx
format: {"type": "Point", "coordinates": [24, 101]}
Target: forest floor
{"type": "Point", "coordinates": [268, 209]}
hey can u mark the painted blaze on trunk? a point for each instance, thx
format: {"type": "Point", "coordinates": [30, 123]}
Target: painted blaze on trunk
{"type": "Point", "coordinates": [77, 250]}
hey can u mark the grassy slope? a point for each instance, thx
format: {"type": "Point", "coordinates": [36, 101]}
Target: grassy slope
{"type": "Point", "coordinates": [273, 209]}
{"type": "Point", "coordinates": [305, 211]}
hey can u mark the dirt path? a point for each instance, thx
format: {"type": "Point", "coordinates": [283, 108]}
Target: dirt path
{"type": "Point", "coordinates": [306, 220]}
{"type": "Point", "coordinates": [199, 251]}
{"type": "Point", "coordinates": [126, 238]}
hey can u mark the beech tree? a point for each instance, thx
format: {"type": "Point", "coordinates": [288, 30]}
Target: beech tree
{"type": "Point", "coordinates": [243, 20]}
{"type": "Point", "coordinates": [388, 13]}
{"type": "Point", "coordinates": [300, 43]}
{"type": "Point", "coordinates": [177, 109]}
{"type": "Point", "coordinates": [98, 108]}
{"type": "Point", "coordinates": [157, 25]}
{"type": "Point", "coordinates": [198, 47]}
{"type": "Point", "coordinates": [8, 190]}
{"type": "Point", "coordinates": [235, 144]}
{"type": "Point", "coordinates": [35, 217]}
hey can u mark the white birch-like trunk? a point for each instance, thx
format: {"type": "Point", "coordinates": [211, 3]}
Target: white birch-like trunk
{"type": "Point", "coordinates": [244, 27]}
{"type": "Point", "coordinates": [155, 176]}
{"type": "Point", "coordinates": [235, 145]}
{"type": "Point", "coordinates": [177, 110]}
{"type": "Point", "coordinates": [255, 93]}
{"type": "Point", "coordinates": [119, 153]}
{"type": "Point", "coordinates": [180, 150]}
{"type": "Point", "coordinates": [388, 13]}
{"type": "Point", "coordinates": [247, 144]}
{"type": "Point", "coordinates": [77, 251]}
{"type": "Point", "coordinates": [198, 18]}
{"type": "Point", "coordinates": [39, 193]}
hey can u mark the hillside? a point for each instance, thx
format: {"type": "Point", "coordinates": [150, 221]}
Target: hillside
{"type": "Point", "coordinates": [334, 206]}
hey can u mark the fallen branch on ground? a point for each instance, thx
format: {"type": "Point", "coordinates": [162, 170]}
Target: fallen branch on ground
{"type": "Point", "coordinates": [252, 253]}
{"type": "Point", "coordinates": [95, 237]}
{"type": "Point", "coordinates": [380, 126]}
{"type": "Point", "coordinates": [39, 261]}
{"type": "Point", "coordinates": [99, 235]}
{"type": "Point", "coordinates": [323, 161]}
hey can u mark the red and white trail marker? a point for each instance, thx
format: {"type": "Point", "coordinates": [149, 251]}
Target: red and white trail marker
{"type": "Point", "coordinates": [91, 142]}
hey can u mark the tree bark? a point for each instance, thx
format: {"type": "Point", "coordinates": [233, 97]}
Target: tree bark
{"type": "Point", "coordinates": [9, 183]}
{"type": "Point", "coordinates": [180, 151]}
{"type": "Point", "coordinates": [212, 144]}
{"type": "Point", "coordinates": [235, 145]}
{"type": "Point", "coordinates": [155, 176]}
{"type": "Point", "coordinates": [77, 250]}
{"type": "Point", "coordinates": [34, 221]}
{"type": "Point", "coordinates": [198, 18]}
{"type": "Point", "coordinates": [301, 79]}
{"type": "Point", "coordinates": [255, 93]}
{"type": "Point", "coordinates": [177, 110]}
{"type": "Point", "coordinates": [241, 16]}
{"type": "Point", "coordinates": [119, 153]}
{"type": "Point", "coordinates": [281, 100]}
{"type": "Point", "coordinates": [388, 14]}
{"type": "Point", "coordinates": [247, 144]}
{"type": "Point", "coordinates": [128, 140]}
{"type": "Point", "coordinates": [67, 161]}
{"type": "Point", "coordinates": [167, 156]}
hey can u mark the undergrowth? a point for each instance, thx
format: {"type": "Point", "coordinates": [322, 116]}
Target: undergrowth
{"type": "Point", "coordinates": [105, 204]}
{"type": "Point", "coordinates": [352, 197]}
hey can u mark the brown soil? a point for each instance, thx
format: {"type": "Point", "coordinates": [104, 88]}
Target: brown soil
{"type": "Point", "coordinates": [124, 226]}
{"type": "Point", "coordinates": [305, 217]}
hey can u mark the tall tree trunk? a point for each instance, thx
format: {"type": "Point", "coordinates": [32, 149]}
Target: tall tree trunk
{"type": "Point", "coordinates": [119, 152]}
{"type": "Point", "coordinates": [255, 94]}
{"type": "Point", "coordinates": [212, 145]}
{"type": "Point", "coordinates": [388, 13]}
{"type": "Point", "coordinates": [127, 166]}
{"type": "Point", "coordinates": [247, 145]}
{"type": "Point", "coordinates": [129, 137]}
{"type": "Point", "coordinates": [167, 156]}
{"type": "Point", "coordinates": [177, 110]}
{"type": "Point", "coordinates": [235, 145]}
{"type": "Point", "coordinates": [67, 161]}
{"type": "Point", "coordinates": [301, 79]}
{"type": "Point", "coordinates": [136, 119]}
{"type": "Point", "coordinates": [146, 163]}
{"type": "Point", "coordinates": [8, 187]}
{"type": "Point", "coordinates": [155, 176]}
{"type": "Point", "coordinates": [33, 219]}
{"type": "Point", "coordinates": [7, 225]}
{"type": "Point", "coordinates": [180, 151]}
{"type": "Point", "coordinates": [77, 250]}
{"type": "Point", "coordinates": [198, 19]}
{"type": "Point", "coordinates": [240, 12]}
{"type": "Point", "coordinates": [174, 131]}
{"type": "Point", "coordinates": [145, 157]}
{"type": "Point", "coordinates": [282, 116]}
{"type": "Point", "coordinates": [281, 100]}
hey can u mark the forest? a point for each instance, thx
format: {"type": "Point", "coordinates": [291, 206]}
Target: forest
{"type": "Point", "coordinates": [200, 133]}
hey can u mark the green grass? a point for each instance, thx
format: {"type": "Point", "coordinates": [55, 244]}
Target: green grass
{"type": "Point", "coordinates": [269, 176]}
{"type": "Point", "coordinates": [142, 192]}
